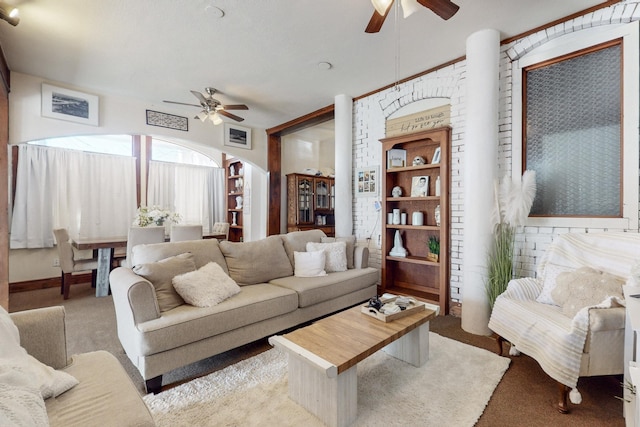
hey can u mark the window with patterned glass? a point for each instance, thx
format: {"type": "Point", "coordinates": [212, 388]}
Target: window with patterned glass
{"type": "Point", "coordinates": [572, 132]}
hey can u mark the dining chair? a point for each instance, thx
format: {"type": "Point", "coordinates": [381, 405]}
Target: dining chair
{"type": "Point", "coordinates": [69, 264]}
{"type": "Point", "coordinates": [221, 228]}
{"type": "Point", "coordinates": [179, 233]}
{"type": "Point", "coordinates": [142, 236]}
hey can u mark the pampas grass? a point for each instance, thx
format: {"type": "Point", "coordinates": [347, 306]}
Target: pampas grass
{"type": "Point", "coordinates": [513, 201]}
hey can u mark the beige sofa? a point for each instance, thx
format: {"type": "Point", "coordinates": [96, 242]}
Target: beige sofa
{"type": "Point", "coordinates": [271, 299]}
{"type": "Point", "coordinates": [104, 395]}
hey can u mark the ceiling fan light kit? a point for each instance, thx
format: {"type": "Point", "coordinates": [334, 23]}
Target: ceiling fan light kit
{"type": "Point", "coordinates": [212, 108]}
{"type": "Point", "coordinates": [445, 9]}
{"type": "Point", "coordinates": [9, 13]}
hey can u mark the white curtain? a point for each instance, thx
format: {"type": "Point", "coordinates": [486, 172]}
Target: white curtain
{"type": "Point", "coordinates": [92, 195]}
{"type": "Point", "coordinates": [195, 192]}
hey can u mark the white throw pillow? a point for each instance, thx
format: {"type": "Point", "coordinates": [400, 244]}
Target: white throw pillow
{"type": "Point", "coordinates": [49, 381]}
{"type": "Point", "coordinates": [205, 287]}
{"type": "Point", "coordinates": [21, 403]}
{"type": "Point", "coordinates": [309, 264]}
{"type": "Point", "coordinates": [351, 245]}
{"type": "Point", "coordinates": [336, 254]}
{"type": "Point", "coordinates": [551, 272]}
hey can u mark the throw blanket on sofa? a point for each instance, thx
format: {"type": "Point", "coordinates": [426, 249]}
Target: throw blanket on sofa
{"type": "Point", "coordinates": [556, 341]}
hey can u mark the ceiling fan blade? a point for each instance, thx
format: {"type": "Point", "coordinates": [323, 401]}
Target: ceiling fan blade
{"type": "Point", "coordinates": [200, 96]}
{"type": "Point", "coordinates": [376, 21]}
{"type": "Point", "coordinates": [445, 9]}
{"type": "Point", "coordinates": [235, 107]}
{"type": "Point", "coordinates": [182, 103]}
{"type": "Point", "coordinates": [231, 116]}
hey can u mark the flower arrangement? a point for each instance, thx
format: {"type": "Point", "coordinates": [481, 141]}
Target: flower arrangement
{"type": "Point", "coordinates": [513, 204]}
{"type": "Point", "coordinates": [154, 215]}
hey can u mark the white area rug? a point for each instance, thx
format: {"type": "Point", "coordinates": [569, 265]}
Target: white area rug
{"type": "Point", "coordinates": [451, 389]}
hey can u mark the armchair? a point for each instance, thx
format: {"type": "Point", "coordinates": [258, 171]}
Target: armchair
{"type": "Point", "coordinates": [569, 346]}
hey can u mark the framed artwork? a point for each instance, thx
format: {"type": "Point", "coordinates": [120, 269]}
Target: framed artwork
{"type": "Point", "coordinates": [170, 121]}
{"type": "Point", "coordinates": [366, 181]}
{"type": "Point", "coordinates": [70, 105]}
{"type": "Point", "coordinates": [237, 136]}
{"type": "Point", "coordinates": [420, 186]}
{"type": "Point", "coordinates": [436, 156]}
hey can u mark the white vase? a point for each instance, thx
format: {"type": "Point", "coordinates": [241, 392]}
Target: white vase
{"type": "Point", "coordinates": [396, 216]}
{"type": "Point", "coordinates": [417, 218]}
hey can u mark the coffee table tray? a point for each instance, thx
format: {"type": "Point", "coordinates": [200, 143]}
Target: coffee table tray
{"type": "Point", "coordinates": [414, 307]}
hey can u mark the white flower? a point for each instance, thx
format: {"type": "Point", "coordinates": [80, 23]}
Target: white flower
{"type": "Point", "coordinates": [154, 216]}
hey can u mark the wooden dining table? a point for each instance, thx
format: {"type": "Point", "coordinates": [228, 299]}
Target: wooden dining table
{"type": "Point", "coordinates": [105, 248]}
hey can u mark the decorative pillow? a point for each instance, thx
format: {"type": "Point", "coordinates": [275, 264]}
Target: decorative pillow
{"type": "Point", "coordinates": [160, 275]}
{"type": "Point", "coordinates": [205, 287]}
{"type": "Point", "coordinates": [551, 272]}
{"type": "Point", "coordinates": [351, 246]}
{"type": "Point", "coordinates": [255, 262]}
{"type": "Point", "coordinates": [14, 358]}
{"type": "Point", "coordinates": [585, 287]}
{"type": "Point", "coordinates": [336, 254]}
{"type": "Point", "coordinates": [21, 404]}
{"type": "Point", "coordinates": [309, 264]}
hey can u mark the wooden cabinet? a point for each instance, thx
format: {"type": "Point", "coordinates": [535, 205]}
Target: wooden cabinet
{"type": "Point", "coordinates": [235, 184]}
{"type": "Point", "coordinates": [416, 274]}
{"type": "Point", "coordinates": [310, 203]}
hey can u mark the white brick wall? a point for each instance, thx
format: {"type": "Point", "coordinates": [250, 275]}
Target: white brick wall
{"type": "Point", "coordinates": [371, 112]}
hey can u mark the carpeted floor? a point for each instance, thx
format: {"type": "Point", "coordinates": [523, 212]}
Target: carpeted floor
{"type": "Point", "coordinates": [524, 397]}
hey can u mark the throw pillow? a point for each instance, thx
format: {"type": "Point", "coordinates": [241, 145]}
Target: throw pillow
{"type": "Point", "coordinates": [309, 264]}
{"type": "Point", "coordinates": [336, 255]}
{"type": "Point", "coordinates": [585, 287]}
{"type": "Point", "coordinates": [551, 272]}
{"type": "Point", "coordinates": [160, 275]}
{"type": "Point", "coordinates": [255, 262]}
{"type": "Point", "coordinates": [351, 246]}
{"type": "Point", "coordinates": [50, 382]}
{"type": "Point", "coordinates": [21, 404]}
{"type": "Point", "coordinates": [205, 287]}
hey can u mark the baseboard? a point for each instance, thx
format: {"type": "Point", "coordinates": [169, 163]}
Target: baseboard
{"type": "Point", "coordinates": [52, 282]}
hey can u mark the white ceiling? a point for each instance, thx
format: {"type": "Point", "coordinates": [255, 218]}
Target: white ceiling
{"type": "Point", "coordinates": [261, 53]}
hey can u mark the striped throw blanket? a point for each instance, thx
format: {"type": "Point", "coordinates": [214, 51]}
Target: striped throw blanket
{"type": "Point", "coordinates": [541, 331]}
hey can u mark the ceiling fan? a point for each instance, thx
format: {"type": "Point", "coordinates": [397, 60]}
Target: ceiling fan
{"type": "Point", "coordinates": [212, 109]}
{"type": "Point", "coordinates": [445, 9]}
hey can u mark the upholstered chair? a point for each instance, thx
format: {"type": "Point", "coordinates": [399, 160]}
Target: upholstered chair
{"type": "Point", "coordinates": [68, 262]}
{"type": "Point", "coordinates": [185, 232]}
{"type": "Point", "coordinates": [221, 228]}
{"type": "Point", "coordinates": [142, 236]}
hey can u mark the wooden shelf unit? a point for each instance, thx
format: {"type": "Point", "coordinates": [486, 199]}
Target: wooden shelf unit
{"type": "Point", "coordinates": [310, 203]}
{"type": "Point", "coordinates": [415, 275]}
{"type": "Point", "coordinates": [232, 191]}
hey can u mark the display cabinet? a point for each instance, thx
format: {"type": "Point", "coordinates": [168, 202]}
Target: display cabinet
{"type": "Point", "coordinates": [234, 171]}
{"type": "Point", "coordinates": [416, 186]}
{"type": "Point", "coordinates": [310, 203]}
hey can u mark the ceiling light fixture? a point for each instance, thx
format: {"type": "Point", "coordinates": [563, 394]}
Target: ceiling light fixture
{"type": "Point", "coordinates": [9, 13]}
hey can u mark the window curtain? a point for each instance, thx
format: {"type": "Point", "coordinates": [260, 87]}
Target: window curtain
{"type": "Point", "coordinates": [194, 192]}
{"type": "Point", "coordinates": [90, 194]}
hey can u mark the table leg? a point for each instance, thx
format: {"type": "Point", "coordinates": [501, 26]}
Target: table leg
{"type": "Point", "coordinates": [333, 400]}
{"type": "Point", "coordinates": [413, 347]}
{"type": "Point", "coordinates": [104, 267]}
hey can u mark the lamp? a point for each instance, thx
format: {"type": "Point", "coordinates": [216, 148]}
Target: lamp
{"type": "Point", "coordinates": [211, 115]}
{"type": "Point", "coordinates": [408, 6]}
{"type": "Point", "coordinates": [381, 6]}
{"type": "Point", "coordinates": [9, 13]}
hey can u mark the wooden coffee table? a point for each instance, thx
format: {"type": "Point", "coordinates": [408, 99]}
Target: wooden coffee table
{"type": "Point", "coordinates": [323, 357]}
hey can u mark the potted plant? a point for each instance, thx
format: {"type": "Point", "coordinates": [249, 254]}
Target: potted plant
{"type": "Point", "coordinates": [434, 249]}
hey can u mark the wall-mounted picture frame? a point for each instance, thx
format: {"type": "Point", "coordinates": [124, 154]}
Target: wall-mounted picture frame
{"type": "Point", "coordinates": [420, 186]}
{"type": "Point", "coordinates": [436, 157]}
{"type": "Point", "coordinates": [169, 121]}
{"type": "Point", "coordinates": [366, 181]}
{"type": "Point", "coordinates": [71, 105]}
{"type": "Point", "coordinates": [237, 136]}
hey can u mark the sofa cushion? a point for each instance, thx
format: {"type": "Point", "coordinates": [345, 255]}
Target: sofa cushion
{"type": "Point", "coordinates": [161, 273]}
{"type": "Point", "coordinates": [309, 264]}
{"type": "Point", "coordinates": [203, 251]}
{"type": "Point", "coordinates": [256, 262]}
{"type": "Point", "coordinates": [297, 241]}
{"type": "Point", "coordinates": [351, 246]}
{"type": "Point", "coordinates": [205, 287]}
{"type": "Point", "coordinates": [314, 290]}
{"type": "Point", "coordinates": [101, 375]}
{"type": "Point", "coordinates": [187, 324]}
{"type": "Point", "coordinates": [13, 357]}
{"type": "Point", "coordinates": [335, 253]}
{"type": "Point", "coordinates": [585, 287]}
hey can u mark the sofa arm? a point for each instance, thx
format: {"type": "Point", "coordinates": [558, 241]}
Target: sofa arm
{"type": "Point", "coordinates": [134, 298]}
{"type": "Point", "coordinates": [361, 257]}
{"type": "Point", "coordinates": [524, 289]}
{"type": "Point", "coordinates": [43, 334]}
